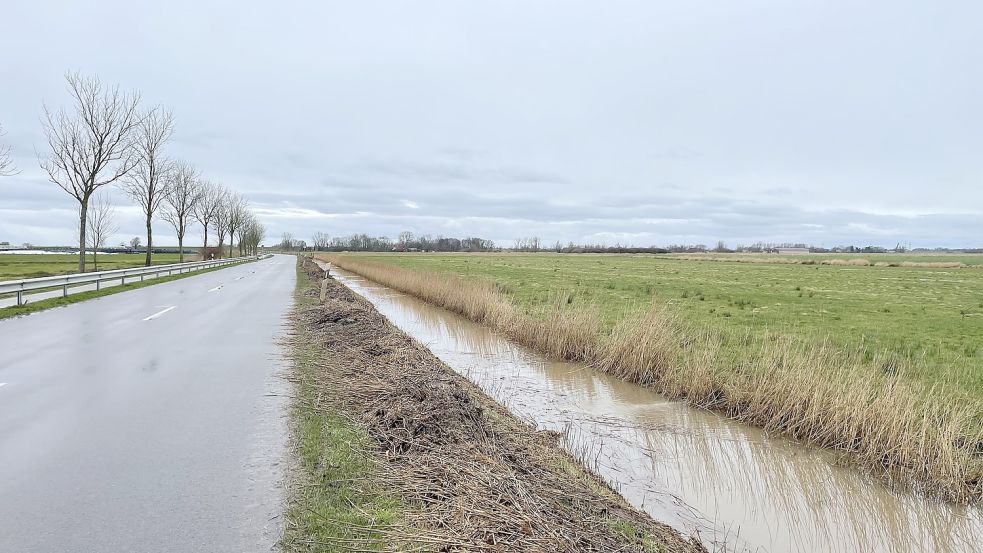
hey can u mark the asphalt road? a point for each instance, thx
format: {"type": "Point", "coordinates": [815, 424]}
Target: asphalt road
{"type": "Point", "coordinates": [153, 420]}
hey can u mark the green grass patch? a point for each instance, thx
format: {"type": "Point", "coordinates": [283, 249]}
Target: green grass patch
{"type": "Point", "coordinates": [20, 266]}
{"type": "Point", "coordinates": [338, 502]}
{"type": "Point", "coordinates": [929, 318]}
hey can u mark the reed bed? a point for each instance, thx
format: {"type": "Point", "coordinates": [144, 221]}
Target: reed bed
{"type": "Point", "coordinates": [904, 432]}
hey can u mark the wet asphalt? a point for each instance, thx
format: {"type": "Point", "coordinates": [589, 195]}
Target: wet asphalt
{"type": "Point", "coordinates": [153, 420]}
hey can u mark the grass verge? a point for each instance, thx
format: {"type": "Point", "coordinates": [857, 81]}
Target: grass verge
{"type": "Point", "coordinates": [18, 266]}
{"type": "Point", "coordinates": [899, 429]}
{"type": "Point", "coordinates": [336, 501]}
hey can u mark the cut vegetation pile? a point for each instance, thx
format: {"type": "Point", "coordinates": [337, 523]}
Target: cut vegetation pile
{"type": "Point", "coordinates": [467, 476]}
{"type": "Point", "coordinates": [853, 402]}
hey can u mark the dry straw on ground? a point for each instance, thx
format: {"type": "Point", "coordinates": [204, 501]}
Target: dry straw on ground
{"type": "Point", "coordinates": [895, 428]}
{"type": "Point", "coordinates": [473, 477]}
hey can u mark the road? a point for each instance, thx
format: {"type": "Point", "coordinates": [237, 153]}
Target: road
{"type": "Point", "coordinates": [153, 420]}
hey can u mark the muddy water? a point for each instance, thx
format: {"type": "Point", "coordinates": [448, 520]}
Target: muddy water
{"type": "Point", "coordinates": [730, 485]}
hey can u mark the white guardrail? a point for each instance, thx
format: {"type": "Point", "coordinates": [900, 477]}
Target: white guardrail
{"type": "Point", "coordinates": [20, 287]}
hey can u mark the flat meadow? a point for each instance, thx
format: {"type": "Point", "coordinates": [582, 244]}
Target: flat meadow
{"type": "Point", "coordinates": [930, 318]}
{"type": "Point", "coordinates": [18, 266]}
{"type": "Point", "coordinates": [877, 355]}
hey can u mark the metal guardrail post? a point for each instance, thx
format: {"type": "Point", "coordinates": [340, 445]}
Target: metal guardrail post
{"type": "Point", "coordinates": [19, 288]}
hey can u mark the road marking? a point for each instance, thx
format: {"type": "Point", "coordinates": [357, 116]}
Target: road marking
{"type": "Point", "coordinates": [240, 278]}
{"type": "Point", "coordinates": [2, 384]}
{"type": "Point", "coordinates": [159, 313]}
{"type": "Point", "coordinates": [217, 288]}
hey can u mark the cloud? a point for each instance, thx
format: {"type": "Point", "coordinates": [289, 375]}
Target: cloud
{"type": "Point", "coordinates": [674, 123]}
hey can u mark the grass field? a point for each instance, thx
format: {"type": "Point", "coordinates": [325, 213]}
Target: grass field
{"type": "Point", "coordinates": [880, 361]}
{"type": "Point", "coordinates": [18, 266]}
{"type": "Point", "coordinates": [930, 318]}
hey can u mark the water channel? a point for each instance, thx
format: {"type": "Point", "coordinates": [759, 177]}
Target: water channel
{"type": "Point", "coordinates": [732, 486]}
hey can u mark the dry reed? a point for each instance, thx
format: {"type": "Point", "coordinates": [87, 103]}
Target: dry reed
{"type": "Point", "coordinates": [895, 428]}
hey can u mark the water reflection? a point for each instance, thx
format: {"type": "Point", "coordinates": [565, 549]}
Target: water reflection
{"type": "Point", "coordinates": [731, 485]}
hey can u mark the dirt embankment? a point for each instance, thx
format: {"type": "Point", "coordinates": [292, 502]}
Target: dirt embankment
{"type": "Point", "coordinates": [472, 476]}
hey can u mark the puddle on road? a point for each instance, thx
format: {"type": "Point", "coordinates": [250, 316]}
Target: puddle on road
{"type": "Point", "coordinates": [731, 485]}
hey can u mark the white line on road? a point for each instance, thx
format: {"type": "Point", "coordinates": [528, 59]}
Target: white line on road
{"type": "Point", "coordinates": [216, 289]}
{"type": "Point", "coordinates": [2, 384]}
{"type": "Point", "coordinates": [159, 313]}
{"type": "Point", "coordinates": [240, 278]}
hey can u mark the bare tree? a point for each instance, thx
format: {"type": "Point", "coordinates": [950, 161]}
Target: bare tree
{"type": "Point", "coordinates": [254, 233]}
{"type": "Point", "coordinates": [206, 208]}
{"type": "Point", "coordinates": [184, 191]}
{"type": "Point", "coordinates": [287, 241]}
{"type": "Point", "coordinates": [146, 183]}
{"type": "Point", "coordinates": [246, 233]}
{"type": "Point", "coordinates": [321, 241]}
{"type": "Point", "coordinates": [6, 164]}
{"type": "Point", "coordinates": [238, 209]}
{"type": "Point", "coordinates": [102, 224]}
{"type": "Point", "coordinates": [222, 219]}
{"type": "Point", "coordinates": [91, 146]}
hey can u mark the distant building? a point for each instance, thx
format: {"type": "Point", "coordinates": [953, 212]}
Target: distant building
{"type": "Point", "coordinates": [783, 251]}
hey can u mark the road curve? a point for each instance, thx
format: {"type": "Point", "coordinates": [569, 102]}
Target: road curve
{"type": "Point", "coordinates": [152, 420]}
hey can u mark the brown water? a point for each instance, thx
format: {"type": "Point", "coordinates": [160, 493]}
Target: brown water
{"type": "Point", "coordinates": [730, 485]}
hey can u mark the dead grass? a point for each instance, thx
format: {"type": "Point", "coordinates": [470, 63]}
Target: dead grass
{"type": "Point", "coordinates": [896, 428]}
{"type": "Point", "coordinates": [470, 476]}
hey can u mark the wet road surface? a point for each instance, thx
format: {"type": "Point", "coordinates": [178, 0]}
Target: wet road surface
{"type": "Point", "coordinates": [152, 420]}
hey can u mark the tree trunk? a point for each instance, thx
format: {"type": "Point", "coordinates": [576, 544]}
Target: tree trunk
{"type": "Point", "coordinates": [83, 209]}
{"type": "Point", "coordinates": [180, 248]}
{"type": "Point", "coordinates": [95, 262]}
{"type": "Point", "coordinates": [150, 242]}
{"type": "Point", "coordinates": [204, 244]}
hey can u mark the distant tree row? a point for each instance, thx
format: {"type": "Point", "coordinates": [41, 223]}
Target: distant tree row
{"type": "Point", "coordinates": [406, 242]}
{"type": "Point", "coordinates": [106, 137]}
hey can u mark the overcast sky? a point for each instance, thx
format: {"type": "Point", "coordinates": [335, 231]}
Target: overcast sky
{"type": "Point", "coordinates": [648, 122]}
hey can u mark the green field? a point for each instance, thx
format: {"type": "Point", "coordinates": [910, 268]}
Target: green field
{"type": "Point", "coordinates": [929, 318]}
{"type": "Point", "coordinates": [18, 266]}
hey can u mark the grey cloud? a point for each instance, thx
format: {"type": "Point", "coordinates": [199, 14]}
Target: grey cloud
{"type": "Point", "coordinates": [648, 122]}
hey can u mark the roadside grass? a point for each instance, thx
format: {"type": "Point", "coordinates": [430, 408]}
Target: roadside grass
{"type": "Point", "coordinates": [41, 305]}
{"type": "Point", "coordinates": [337, 502]}
{"type": "Point", "coordinates": [892, 416]}
{"type": "Point", "coordinates": [19, 266]}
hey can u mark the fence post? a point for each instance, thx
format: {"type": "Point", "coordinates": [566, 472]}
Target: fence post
{"type": "Point", "coordinates": [64, 290]}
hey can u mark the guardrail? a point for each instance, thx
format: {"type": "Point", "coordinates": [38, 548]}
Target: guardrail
{"type": "Point", "coordinates": [19, 287]}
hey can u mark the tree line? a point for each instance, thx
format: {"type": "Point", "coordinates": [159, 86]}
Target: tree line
{"type": "Point", "coordinates": [404, 243]}
{"type": "Point", "coordinates": [106, 137]}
